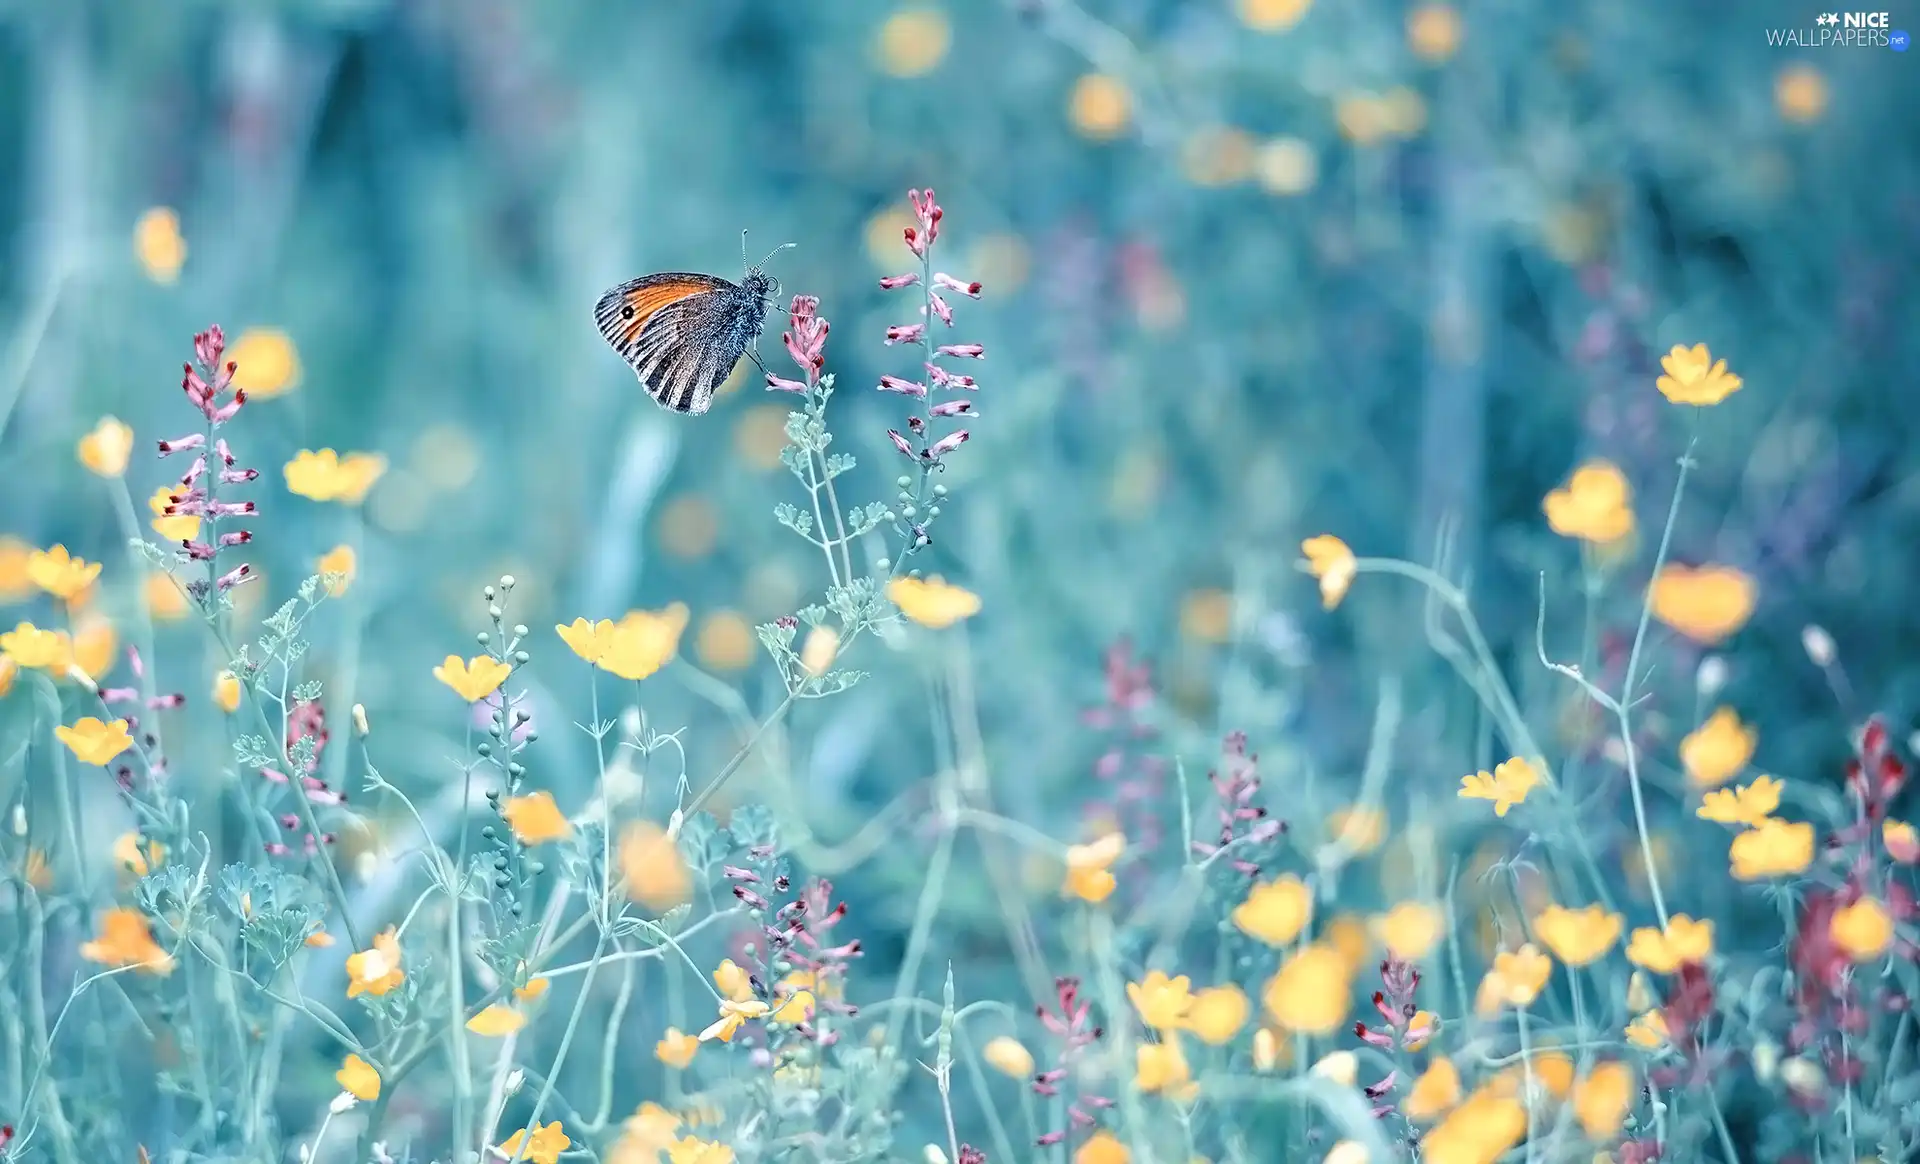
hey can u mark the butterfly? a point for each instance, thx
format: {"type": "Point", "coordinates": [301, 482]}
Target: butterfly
{"type": "Point", "coordinates": [683, 332]}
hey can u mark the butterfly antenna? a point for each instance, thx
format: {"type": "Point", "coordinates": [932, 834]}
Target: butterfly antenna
{"type": "Point", "coordinates": [743, 246]}
{"type": "Point", "coordinates": [773, 252]}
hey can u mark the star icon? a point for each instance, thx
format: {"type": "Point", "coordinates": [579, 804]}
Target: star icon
{"type": "Point", "coordinates": [1828, 18]}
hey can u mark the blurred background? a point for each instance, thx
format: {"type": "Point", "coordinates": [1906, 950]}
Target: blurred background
{"type": "Point", "coordinates": [1254, 270]}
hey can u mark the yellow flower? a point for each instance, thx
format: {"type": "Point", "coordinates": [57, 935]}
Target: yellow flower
{"type": "Point", "coordinates": [534, 988]}
{"type": "Point", "coordinates": [158, 244]}
{"type": "Point", "coordinates": [1648, 1031]}
{"type": "Point", "coordinates": [732, 1015]}
{"type": "Point", "coordinates": [656, 874]}
{"type": "Point", "coordinates": [266, 364]}
{"type": "Point", "coordinates": [29, 646]}
{"type": "Point", "coordinates": [1507, 785]}
{"type": "Point", "coordinates": [1162, 1002]}
{"type": "Point", "coordinates": [165, 600]}
{"type": "Point", "coordinates": [358, 1077]}
{"type": "Point", "coordinates": [1433, 32]}
{"type": "Point", "coordinates": [1864, 929]}
{"type": "Point", "coordinates": [60, 575]}
{"type": "Point", "coordinates": [676, 1048]}
{"type": "Point", "coordinates": [137, 858]}
{"type": "Point", "coordinates": [1902, 841]}
{"type": "Point", "coordinates": [1160, 1067]}
{"type": "Point", "coordinates": [105, 450]}
{"type": "Point", "coordinates": [1099, 107]}
{"type": "Point", "coordinates": [15, 585]}
{"type": "Point", "coordinates": [1603, 1098]}
{"type": "Point", "coordinates": [1717, 750]}
{"type": "Point", "coordinates": [1663, 952]}
{"type": "Point", "coordinates": [1272, 15]}
{"type": "Point", "coordinates": [496, 1021]}
{"type": "Point", "coordinates": [226, 692]}
{"type": "Point", "coordinates": [1420, 1030]}
{"type": "Point", "coordinates": [1772, 848]}
{"type": "Point", "coordinates": [1595, 505]}
{"type": "Point", "coordinates": [340, 561]}
{"type": "Point", "coordinates": [1275, 911]}
{"type": "Point", "coordinates": [94, 643]}
{"type": "Point", "coordinates": [1008, 1057]}
{"type": "Point", "coordinates": [1578, 937]}
{"type": "Point", "coordinates": [795, 1009]}
{"type": "Point", "coordinates": [327, 476]}
{"type": "Point", "coordinates": [473, 679]}
{"type": "Point", "coordinates": [819, 649]}
{"type": "Point", "coordinates": [543, 1147]}
{"type": "Point", "coordinates": [1218, 1013]}
{"type": "Point", "coordinates": [376, 970]}
{"type": "Point", "coordinates": [1552, 1073]}
{"type": "Point", "coordinates": [1359, 828]}
{"type": "Point", "coordinates": [1479, 1131]}
{"type": "Point", "coordinates": [933, 602]}
{"type": "Point", "coordinates": [1705, 604]}
{"type": "Point", "coordinates": [732, 981]}
{"type": "Point", "coordinates": [1800, 93]}
{"type": "Point", "coordinates": [535, 818]}
{"type": "Point", "coordinates": [1516, 979]}
{"type": "Point", "coordinates": [1329, 560]}
{"type": "Point", "coordinates": [693, 1150]}
{"type": "Point", "coordinates": [1343, 1067]}
{"type": "Point", "coordinates": [725, 641]}
{"type": "Point", "coordinates": [125, 939]}
{"type": "Point", "coordinates": [1748, 804]}
{"type": "Point", "coordinates": [93, 741]}
{"type": "Point", "coordinates": [913, 41]}
{"type": "Point", "coordinates": [643, 642]}
{"type": "Point", "coordinates": [1410, 929]}
{"type": "Point", "coordinates": [1102, 1148]}
{"type": "Point", "coordinates": [175, 528]}
{"type": "Point", "coordinates": [1089, 868]}
{"type": "Point", "coordinates": [1436, 1090]}
{"type": "Point", "coordinates": [589, 640]}
{"type": "Point", "coordinates": [1312, 992]}
{"type": "Point", "coordinates": [1695, 377]}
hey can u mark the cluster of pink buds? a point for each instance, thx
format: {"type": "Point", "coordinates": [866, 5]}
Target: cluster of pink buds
{"type": "Point", "coordinates": [1242, 822]}
{"type": "Point", "coordinates": [155, 762]}
{"type": "Point", "coordinates": [920, 444]}
{"type": "Point", "coordinates": [1407, 1027]}
{"type": "Point", "coordinates": [305, 722]}
{"type": "Point", "coordinates": [1128, 766]}
{"type": "Point", "coordinates": [209, 387]}
{"type": "Point", "coordinates": [1688, 1010]}
{"type": "Point", "coordinates": [806, 342]}
{"type": "Point", "coordinates": [799, 940]}
{"type": "Point", "coordinates": [1070, 1021]}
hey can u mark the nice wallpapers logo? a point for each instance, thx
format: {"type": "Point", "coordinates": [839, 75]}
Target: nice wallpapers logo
{"type": "Point", "coordinates": [1842, 30]}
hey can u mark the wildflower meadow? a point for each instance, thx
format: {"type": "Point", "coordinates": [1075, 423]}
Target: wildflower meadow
{"type": "Point", "coordinates": [1283, 582]}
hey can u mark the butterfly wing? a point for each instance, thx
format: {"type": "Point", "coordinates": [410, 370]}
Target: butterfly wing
{"type": "Point", "coordinates": [672, 330]}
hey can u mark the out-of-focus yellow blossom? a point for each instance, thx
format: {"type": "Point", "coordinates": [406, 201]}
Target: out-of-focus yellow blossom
{"type": "Point", "coordinates": [1863, 929]}
{"type": "Point", "coordinates": [158, 244]}
{"type": "Point", "coordinates": [1090, 868]}
{"type": "Point", "coordinates": [1434, 1092]}
{"type": "Point", "coordinates": [732, 981]}
{"type": "Point", "coordinates": [535, 819]}
{"type": "Point", "coordinates": [656, 873]}
{"type": "Point", "coordinates": [1718, 750]}
{"type": "Point", "coordinates": [1099, 107]}
{"type": "Point", "coordinates": [226, 692]}
{"type": "Point", "coordinates": [1595, 505]}
{"type": "Point", "coordinates": [676, 1048]}
{"type": "Point", "coordinates": [1578, 937]}
{"type": "Point", "coordinates": [1161, 1002]}
{"type": "Point", "coordinates": [725, 642]}
{"type": "Point", "coordinates": [359, 1079]}
{"type": "Point", "coordinates": [1800, 93]}
{"type": "Point", "coordinates": [325, 475]}
{"type": "Point", "coordinates": [377, 969]}
{"type": "Point", "coordinates": [913, 41]}
{"type": "Point", "coordinates": [337, 568]}
{"type": "Point", "coordinates": [1665, 951]}
{"type": "Point", "coordinates": [1218, 1013]}
{"type": "Point", "coordinates": [174, 528]}
{"type": "Point", "coordinates": [60, 574]}
{"type": "Point", "coordinates": [496, 1021]}
{"type": "Point", "coordinates": [1747, 805]}
{"type": "Point", "coordinates": [1516, 979]}
{"type": "Point", "coordinates": [104, 451]}
{"type": "Point", "coordinates": [1433, 32]}
{"type": "Point", "coordinates": [1275, 911]}
{"type": "Point", "coordinates": [933, 602]}
{"type": "Point", "coordinates": [1772, 848]}
{"type": "Point", "coordinates": [544, 1147]}
{"type": "Point", "coordinates": [125, 939]}
{"type": "Point", "coordinates": [1330, 560]}
{"type": "Point", "coordinates": [1410, 929]}
{"type": "Point", "coordinates": [1007, 1056]}
{"type": "Point", "coordinates": [266, 364]}
{"type": "Point", "coordinates": [1312, 991]}
{"type": "Point", "coordinates": [1649, 1031]}
{"type": "Point", "coordinates": [1706, 604]}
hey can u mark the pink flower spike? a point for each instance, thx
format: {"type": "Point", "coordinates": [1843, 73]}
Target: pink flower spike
{"type": "Point", "coordinates": [954, 408]}
{"type": "Point", "coordinates": [944, 379]}
{"type": "Point", "coordinates": [895, 282]}
{"type": "Point", "coordinates": [963, 351]}
{"type": "Point", "coordinates": [777, 384]}
{"type": "Point", "coordinates": [903, 387]}
{"type": "Point", "coordinates": [942, 279]}
{"type": "Point", "coordinates": [209, 345]}
{"type": "Point", "coordinates": [928, 212]}
{"type": "Point", "coordinates": [940, 307]}
{"type": "Point", "coordinates": [193, 441]}
{"type": "Point", "coordinates": [906, 333]}
{"type": "Point", "coordinates": [947, 444]}
{"type": "Point", "coordinates": [900, 442]}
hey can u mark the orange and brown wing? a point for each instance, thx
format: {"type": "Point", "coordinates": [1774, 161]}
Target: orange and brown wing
{"type": "Point", "coordinates": [624, 312]}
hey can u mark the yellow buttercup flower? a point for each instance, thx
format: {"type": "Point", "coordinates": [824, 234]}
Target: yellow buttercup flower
{"type": "Point", "coordinates": [1275, 911]}
{"type": "Point", "coordinates": [1330, 560]}
{"type": "Point", "coordinates": [795, 1009]}
{"type": "Point", "coordinates": [1718, 750]}
{"type": "Point", "coordinates": [1747, 805]}
{"type": "Point", "coordinates": [1594, 506]}
{"type": "Point", "coordinates": [377, 969]}
{"type": "Point", "coordinates": [1694, 377]}
{"type": "Point", "coordinates": [93, 741]}
{"type": "Point", "coordinates": [135, 857]}
{"type": "Point", "coordinates": [732, 1016]}
{"type": "Point", "coordinates": [1160, 1067]}
{"type": "Point", "coordinates": [1099, 107]}
{"type": "Point", "coordinates": [1516, 979]}
{"type": "Point", "coordinates": [643, 642]}
{"type": "Point", "coordinates": [913, 41]}
{"type": "Point", "coordinates": [933, 602]}
{"type": "Point", "coordinates": [1410, 929]}
{"type": "Point", "coordinates": [125, 939]}
{"type": "Point", "coordinates": [337, 568]}
{"type": "Point", "coordinates": [44, 650]}
{"type": "Point", "coordinates": [166, 601]}
{"type": "Point", "coordinates": [1479, 1131]}
{"type": "Point", "coordinates": [535, 819]}
{"type": "Point", "coordinates": [589, 640]}
{"type": "Point", "coordinates": [1090, 868]}
{"type": "Point", "coordinates": [60, 574]}
{"type": "Point", "coordinates": [358, 1078]}
{"type": "Point", "coordinates": [1272, 15]}
{"type": "Point", "coordinates": [1863, 929]}
{"type": "Point", "coordinates": [1902, 841]}
{"type": "Point", "coordinates": [1436, 1090]}
{"type": "Point", "coordinates": [159, 245]}
{"type": "Point", "coordinates": [1772, 848]}
{"type": "Point", "coordinates": [1665, 951]}
{"type": "Point", "coordinates": [496, 1021]}
{"type": "Point", "coordinates": [105, 450]}
{"type": "Point", "coordinates": [543, 1147]}
{"type": "Point", "coordinates": [1649, 1031]}
{"type": "Point", "coordinates": [327, 476]}
{"type": "Point", "coordinates": [1800, 93]}
{"type": "Point", "coordinates": [1102, 1148]}
{"type": "Point", "coordinates": [226, 692]}
{"type": "Point", "coordinates": [266, 364]}
{"type": "Point", "coordinates": [656, 874]}
{"type": "Point", "coordinates": [94, 646]}
{"type": "Point", "coordinates": [819, 649]}
{"type": "Point", "coordinates": [1161, 1002]}
{"type": "Point", "coordinates": [1218, 1013]}
{"type": "Point", "coordinates": [1008, 1057]}
{"type": "Point", "coordinates": [472, 679]}
{"type": "Point", "coordinates": [725, 641]}
{"type": "Point", "coordinates": [534, 988]}
{"type": "Point", "coordinates": [732, 981]}
{"type": "Point", "coordinates": [1578, 937]}
{"type": "Point", "coordinates": [1433, 32]}
{"type": "Point", "coordinates": [676, 1048]}
{"type": "Point", "coordinates": [1507, 785]}
{"type": "Point", "coordinates": [1312, 992]}
{"type": "Point", "coordinates": [1706, 604]}
{"type": "Point", "coordinates": [174, 528]}
{"type": "Point", "coordinates": [1602, 1100]}
{"type": "Point", "coordinates": [694, 1150]}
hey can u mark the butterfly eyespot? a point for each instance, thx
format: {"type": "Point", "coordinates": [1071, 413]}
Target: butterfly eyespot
{"type": "Point", "coordinates": [626, 312]}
